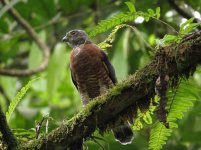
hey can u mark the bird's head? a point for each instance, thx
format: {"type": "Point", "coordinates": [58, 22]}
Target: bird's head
{"type": "Point", "coordinates": [75, 38]}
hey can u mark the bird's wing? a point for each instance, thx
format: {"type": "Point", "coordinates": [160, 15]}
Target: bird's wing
{"type": "Point", "coordinates": [73, 78]}
{"type": "Point", "coordinates": [109, 67]}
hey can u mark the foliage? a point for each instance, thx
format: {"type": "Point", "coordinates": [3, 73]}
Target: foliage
{"type": "Point", "coordinates": [24, 134]}
{"type": "Point", "coordinates": [146, 116]}
{"type": "Point", "coordinates": [127, 50]}
{"type": "Point", "coordinates": [185, 28]}
{"type": "Point", "coordinates": [123, 17]}
{"type": "Point", "coordinates": [159, 133]}
{"type": "Point", "coordinates": [179, 102]}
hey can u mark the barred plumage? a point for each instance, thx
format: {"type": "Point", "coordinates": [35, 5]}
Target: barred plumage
{"type": "Point", "coordinates": [92, 74]}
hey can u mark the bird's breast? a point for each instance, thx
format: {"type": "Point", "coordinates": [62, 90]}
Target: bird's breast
{"type": "Point", "coordinates": [90, 75]}
{"type": "Point", "coordinates": [85, 61]}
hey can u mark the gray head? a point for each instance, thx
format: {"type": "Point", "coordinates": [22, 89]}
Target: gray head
{"type": "Point", "coordinates": [75, 38]}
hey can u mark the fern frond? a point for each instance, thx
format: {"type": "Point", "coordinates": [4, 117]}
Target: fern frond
{"type": "Point", "coordinates": [117, 19]}
{"type": "Point", "coordinates": [123, 17]}
{"type": "Point", "coordinates": [159, 135]}
{"type": "Point", "coordinates": [178, 106]}
{"type": "Point", "coordinates": [15, 101]}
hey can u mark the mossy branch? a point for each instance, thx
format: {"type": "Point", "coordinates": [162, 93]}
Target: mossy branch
{"type": "Point", "coordinates": [122, 100]}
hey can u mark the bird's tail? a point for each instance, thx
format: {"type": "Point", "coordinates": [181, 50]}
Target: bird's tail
{"type": "Point", "coordinates": [123, 134]}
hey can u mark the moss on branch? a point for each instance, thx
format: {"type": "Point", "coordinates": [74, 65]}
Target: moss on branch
{"type": "Point", "coordinates": [121, 102]}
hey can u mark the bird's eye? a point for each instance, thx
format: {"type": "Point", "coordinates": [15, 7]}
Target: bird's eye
{"type": "Point", "coordinates": [73, 32]}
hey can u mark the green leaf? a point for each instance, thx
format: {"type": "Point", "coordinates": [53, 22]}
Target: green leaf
{"type": "Point", "coordinates": [152, 39]}
{"type": "Point", "coordinates": [138, 124]}
{"type": "Point", "coordinates": [35, 56]}
{"type": "Point", "coordinates": [151, 12]}
{"type": "Point", "coordinates": [189, 28]}
{"type": "Point", "coordinates": [147, 118]}
{"type": "Point", "coordinates": [56, 69]}
{"type": "Point", "coordinates": [121, 67]}
{"type": "Point", "coordinates": [131, 7]}
{"type": "Point", "coordinates": [158, 12]}
{"type": "Point", "coordinates": [185, 23]}
{"type": "Point", "coordinates": [169, 39]}
{"type": "Point", "coordinates": [146, 18]}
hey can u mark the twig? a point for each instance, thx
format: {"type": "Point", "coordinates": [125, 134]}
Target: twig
{"type": "Point", "coordinates": [8, 136]}
{"type": "Point", "coordinates": [8, 6]}
{"type": "Point", "coordinates": [44, 48]}
{"type": "Point", "coordinates": [38, 127]}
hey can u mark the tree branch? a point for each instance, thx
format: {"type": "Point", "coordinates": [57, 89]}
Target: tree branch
{"type": "Point", "coordinates": [44, 48]}
{"type": "Point", "coordinates": [124, 98]}
{"type": "Point", "coordinates": [180, 11]}
{"type": "Point", "coordinates": [8, 136]}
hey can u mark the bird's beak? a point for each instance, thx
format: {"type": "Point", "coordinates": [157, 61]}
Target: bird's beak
{"type": "Point", "coordinates": [65, 39]}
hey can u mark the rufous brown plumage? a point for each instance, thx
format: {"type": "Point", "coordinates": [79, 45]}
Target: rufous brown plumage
{"type": "Point", "coordinates": [93, 74]}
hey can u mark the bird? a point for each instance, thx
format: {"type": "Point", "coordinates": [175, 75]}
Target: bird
{"type": "Point", "coordinates": [93, 74]}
